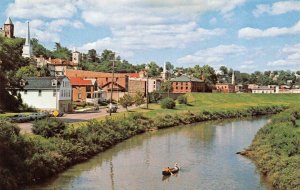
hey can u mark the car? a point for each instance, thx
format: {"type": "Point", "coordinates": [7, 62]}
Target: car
{"type": "Point", "coordinates": [112, 107]}
{"type": "Point", "coordinates": [19, 118]}
{"type": "Point", "coordinates": [38, 115]}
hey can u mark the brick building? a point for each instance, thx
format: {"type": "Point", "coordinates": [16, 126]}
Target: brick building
{"type": "Point", "coordinates": [104, 81]}
{"type": "Point", "coordinates": [185, 84]}
{"type": "Point", "coordinates": [225, 88]}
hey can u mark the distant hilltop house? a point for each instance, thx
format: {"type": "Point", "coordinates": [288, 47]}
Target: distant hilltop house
{"type": "Point", "coordinates": [185, 84]}
{"type": "Point", "coordinates": [8, 29]}
{"type": "Point", "coordinates": [47, 93]}
{"type": "Point", "coordinates": [225, 88]}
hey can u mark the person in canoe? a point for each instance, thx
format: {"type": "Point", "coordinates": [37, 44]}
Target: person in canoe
{"type": "Point", "coordinates": [171, 171]}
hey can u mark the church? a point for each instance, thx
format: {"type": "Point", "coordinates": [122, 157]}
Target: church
{"type": "Point", "coordinates": [8, 29]}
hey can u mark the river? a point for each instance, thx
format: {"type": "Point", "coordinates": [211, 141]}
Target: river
{"type": "Point", "coordinates": [205, 152]}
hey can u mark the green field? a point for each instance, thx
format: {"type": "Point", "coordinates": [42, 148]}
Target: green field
{"type": "Point", "coordinates": [218, 101]}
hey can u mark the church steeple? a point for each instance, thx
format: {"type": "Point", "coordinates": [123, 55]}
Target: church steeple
{"type": "Point", "coordinates": [27, 49]}
{"type": "Point", "coordinates": [233, 78]}
{"type": "Point", "coordinates": [8, 28]}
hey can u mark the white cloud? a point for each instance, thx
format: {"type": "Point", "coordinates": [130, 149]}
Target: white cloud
{"type": "Point", "coordinates": [213, 55]}
{"type": "Point", "coordinates": [277, 8]}
{"type": "Point", "coordinates": [45, 31]}
{"type": "Point", "coordinates": [292, 56]}
{"type": "Point", "coordinates": [140, 37]}
{"type": "Point", "coordinates": [37, 9]}
{"type": "Point", "coordinates": [250, 33]}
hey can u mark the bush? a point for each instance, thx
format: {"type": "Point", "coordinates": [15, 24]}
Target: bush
{"type": "Point", "coordinates": [168, 103]}
{"type": "Point", "coordinates": [48, 127]}
{"type": "Point", "coordinates": [154, 97]}
{"type": "Point", "coordinates": [182, 99]}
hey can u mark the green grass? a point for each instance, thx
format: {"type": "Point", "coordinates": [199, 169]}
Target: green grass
{"type": "Point", "coordinates": [217, 101]}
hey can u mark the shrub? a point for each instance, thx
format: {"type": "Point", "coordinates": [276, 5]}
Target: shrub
{"type": "Point", "coordinates": [126, 101]}
{"type": "Point", "coordinates": [139, 99]}
{"type": "Point", "coordinates": [182, 99]}
{"type": "Point", "coordinates": [48, 127]}
{"type": "Point", "coordinates": [154, 96]}
{"type": "Point", "coordinates": [168, 103]}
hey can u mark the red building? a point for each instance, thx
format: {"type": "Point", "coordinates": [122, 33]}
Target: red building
{"type": "Point", "coordinates": [225, 88]}
{"type": "Point", "coordinates": [185, 84]}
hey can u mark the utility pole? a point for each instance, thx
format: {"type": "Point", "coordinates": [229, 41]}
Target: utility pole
{"type": "Point", "coordinates": [147, 86]}
{"type": "Point", "coordinates": [112, 83]}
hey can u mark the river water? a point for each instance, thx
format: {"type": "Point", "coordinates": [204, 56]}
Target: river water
{"type": "Point", "coordinates": [205, 152]}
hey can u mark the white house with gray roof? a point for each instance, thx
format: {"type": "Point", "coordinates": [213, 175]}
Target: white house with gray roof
{"type": "Point", "coordinates": [43, 93]}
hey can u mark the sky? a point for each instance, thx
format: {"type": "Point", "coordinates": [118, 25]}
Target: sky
{"type": "Point", "coordinates": [245, 35]}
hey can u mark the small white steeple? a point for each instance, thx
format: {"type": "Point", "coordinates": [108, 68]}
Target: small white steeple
{"type": "Point", "coordinates": [27, 49]}
{"type": "Point", "coordinates": [8, 21]}
{"type": "Point", "coordinates": [233, 78]}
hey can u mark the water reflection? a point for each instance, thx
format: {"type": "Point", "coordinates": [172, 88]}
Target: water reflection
{"type": "Point", "coordinates": [205, 151]}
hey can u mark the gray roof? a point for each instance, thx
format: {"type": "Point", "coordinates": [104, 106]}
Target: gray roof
{"type": "Point", "coordinates": [8, 21]}
{"type": "Point", "coordinates": [41, 82]}
{"type": "Point", "coordinates": [184, 78]}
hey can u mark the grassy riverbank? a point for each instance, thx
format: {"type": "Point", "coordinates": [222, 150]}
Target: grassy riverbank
{"type": "Point", "coordinates": [276, 150]}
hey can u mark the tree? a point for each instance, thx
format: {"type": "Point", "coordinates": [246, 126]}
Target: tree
{"type": "Point", "coordinates": [139, 99]}
{"type": "Point", "coordinates": [166, 87]}
{"type": "Point", "coordinates": [92, 55]}
{"type": "Point", "coordinates": [154, 96]}
{"type": "Point", "coordinates": [39, 50]}
{"type": "Point", "coordinates": [168, 103]}
{"type": "Point", "coordinates": [126, 101]}
{"type": "Point", "coordinates": [10, 61]}
{"type": "Point", "coordinates": [61, 52]}
{"type": "Point", "coordinates": [27, 71]}
{"type": "Point", "coordinates": [154, 69]}
{"type": "Point", "coordinates": [224, 70]}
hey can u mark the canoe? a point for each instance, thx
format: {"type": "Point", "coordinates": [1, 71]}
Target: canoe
{"type": "Point", "coordinates": [173, 170]}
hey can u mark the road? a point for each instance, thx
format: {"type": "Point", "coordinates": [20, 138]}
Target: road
{"type": "Point", "coordinates": [73, 117]}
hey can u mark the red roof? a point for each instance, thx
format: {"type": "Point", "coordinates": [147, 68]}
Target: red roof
{"type": "Point", "coordinates": [61, 62]}
{"type": "Point", "coordinates": [134, 75]}
{"type": "Point", "coordinates": [80, 81]}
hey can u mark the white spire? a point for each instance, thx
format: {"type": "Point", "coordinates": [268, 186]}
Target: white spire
{"type": "Point", "coordinates": [27, 49]}
{"type": "Point", "coordinates": [8, 21]}
{"type": "Point", "coordinates": [233, 78]}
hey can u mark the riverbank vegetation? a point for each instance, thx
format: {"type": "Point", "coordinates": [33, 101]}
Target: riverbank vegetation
{"type": "Point", "coordinates": [32, 157]}
{"type": "Point", "coordinates": [276, 150]}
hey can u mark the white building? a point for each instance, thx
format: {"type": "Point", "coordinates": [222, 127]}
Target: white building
{"type": "Point", "coordinates": [153, 84]}
{"type": "Point", "coordinates": [263, 90]}
{"type": "Point", "coordinates": [43, 93]}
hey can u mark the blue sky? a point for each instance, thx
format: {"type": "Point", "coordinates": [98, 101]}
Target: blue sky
{"type": "Point", "coordinates": [244, 35]}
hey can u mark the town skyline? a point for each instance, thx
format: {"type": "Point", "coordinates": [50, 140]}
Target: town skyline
{"type": "Point", "coordinates": [242, 35]}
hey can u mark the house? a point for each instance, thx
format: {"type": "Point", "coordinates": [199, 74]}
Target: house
{"type": "Point", "coordinates": [47, 93]}
{"type": "Point", "coordinates": [85, 91]}
{"type": "Point", "coordinates": [57, 67]}
{"type": "Point", "coordinates": [104, 81]}
{"type": "Point", "coordinates": [263, 90]}
{"type": "Point", "coordinates": [138, 83]}
{"type": "Point", "coordinates": [225, 87]}
{"type": "Point", "coordinates": [185, 84]}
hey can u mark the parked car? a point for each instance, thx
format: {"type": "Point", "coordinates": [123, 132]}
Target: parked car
{"type": "Point", "coordinates": [38, 115]}
{"type": "Point", "coordinates": [19, 118]}
{"type": "Point", "coordinates": [113, 108]}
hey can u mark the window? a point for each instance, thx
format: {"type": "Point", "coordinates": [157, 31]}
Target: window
{"type": "Point", "coordinates": [117, 78]}
{"type": "Point", "coordinates": [79, 95]}
{"type": "Point", "coordinates": [54, 82]}
{"type": "Point", "coordinates": [25, 91]}
{"type": "Point", "coordinates": [54, 92]}
{"type": "Point", "coordinates": [40, 92]}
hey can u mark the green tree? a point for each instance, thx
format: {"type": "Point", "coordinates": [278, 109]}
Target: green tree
{"type": "Point", "coordinates": [27, 71]}
{"type": "Point", "coordinates": [154, 69]}
{"type": "Point", "coordinates": [139, 99]}
{"type": "Point", "coordinates": [154, 96]}
{"type": "Point", "coordinates": [92, 55]}
{"type": "Point", "coordinates": [10, 61]}
{"type": "Point", "coordinates": [126, 101]}
{"type": "Point", "coordinates": [166, 87]}
{"type": "Point", "coordinates": [61, 52]}
{"type": "Point", "coordinates": [39, 50]}
{"type": "Point", "coordinates": [168, 103]}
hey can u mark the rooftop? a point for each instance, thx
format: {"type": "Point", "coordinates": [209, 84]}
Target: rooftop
{"type": "Point", "coordinates": [80, 82]}
{"type": "Point", "coordinates": [185, 78]}
{"type": "Point", "coordinates": [41, 82]}
{"type": "Point", "coordinates": [8, 21]}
